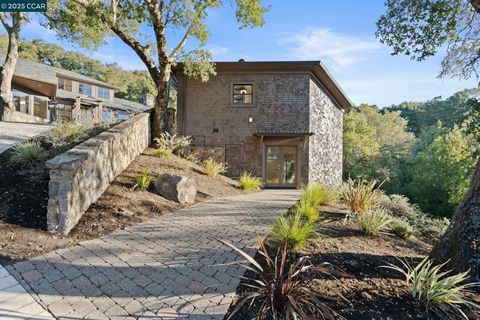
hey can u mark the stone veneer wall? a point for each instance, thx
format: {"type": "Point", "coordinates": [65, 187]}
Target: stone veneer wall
{"type": "Point", "coordinates": [326, 145]}
{"type": "Point", "coordinates": [79, 176]}
{"type": "Point", "coordinates": [23, 117]}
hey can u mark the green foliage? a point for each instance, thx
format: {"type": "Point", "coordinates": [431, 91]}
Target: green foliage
{"type": "Point", "coordinates": [66, 133]}
{"type": "Point", "coordinates": [249, 182]}
{"type": "Point", "coordinates": [176, 144]}
{"type": "Point", "coordinates": [441, 172]}
{"type": "Point", "coordinates": [361, 195]}
{"type": "Point", "coordinates": [281, 287]}
{"type": "Point", "coordinates": [307, 210]}
{"type": "Point", "coordinates": [441, 292]}
{"type": "Point", "coordinates": [398, 205]}
{"type": "Point", "coordinates": [317, 194]}
{"type": "Point", "coordinates": [376, 143]}
{"type": "Point", "coordinates": [143, 180]}
{"type": "Point", "coordinates": [293, 230]}
{"type": "Point", "coordinates": [25, 153]}
{"type": "Point", "coordinates": [374, 221]}
{"type": "Point", "coordinates": [162, 153]}
{"type": "Point", "coordinates": [427, 227]}
{"type": "Point", "coordinates": [212, 168]}
{"type": "Point", "coordinates": [401, 228]}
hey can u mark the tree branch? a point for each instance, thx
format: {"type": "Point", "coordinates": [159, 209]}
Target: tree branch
{"type": "Point", "coordinates": [476, 5]}
{"type": "Point", "coordinates": [4, 21]}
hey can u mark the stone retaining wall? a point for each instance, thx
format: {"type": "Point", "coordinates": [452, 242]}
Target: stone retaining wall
{"type": "Point", "coordinates": [79, 176]}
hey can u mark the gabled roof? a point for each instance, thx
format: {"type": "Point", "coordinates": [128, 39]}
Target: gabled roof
{"type": "Point", "coordinates": [41, 72]}
{"type": "Point", "coordinates": [316, 68]}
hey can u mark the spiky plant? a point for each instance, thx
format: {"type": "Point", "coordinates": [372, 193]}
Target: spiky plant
{"type": "Point", "coordinates": [143, 180]}
{"type": "Point", "coordinates": [373, 222]}
{"type": "Point", "coordinates": [438, 290]}
{"type": "Point", "coordinates": [361, 195]}
{"type": "Point", "coordinates": [213, 168]}
{"type": "Point", "coordinates": [162, 153]}
{"type": "Point", "coordinates": [250, 182]}
{"type": "Point", "coordinates": [281, 290]}
{"type": "Point", "coordinates": [293, 230]}
{"type": "Point", "coordinates": [307, 210]}
{"type": "Point", "coordinates": [318, 194]}
{"type": "Point", "coordinates": [25, 153]}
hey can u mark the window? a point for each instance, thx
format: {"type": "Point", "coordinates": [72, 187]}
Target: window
{"type": "Point", "coordinates": [103, 93]}
{"type": "Point", "coordinates": [65, 84]}
{"type": "Point", "coordinates": [63, 112]}
{"type": "Point", "coordinates": [242, 93]}
{"type": "Point", "coordinates": [85, 88]}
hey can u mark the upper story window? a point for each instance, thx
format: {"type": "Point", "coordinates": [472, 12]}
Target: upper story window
{"type": "Point", "coordinates": [65, 84]}
{"type": "Point", "coordinates": [85, 88]}
{"type": "Point", "coordinates": [243, 93]}
{"type": "Point", "coordinates": [103, 93]}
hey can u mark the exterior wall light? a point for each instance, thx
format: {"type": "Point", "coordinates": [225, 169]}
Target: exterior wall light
{"type": "Point", "coordinates": [250, 120]}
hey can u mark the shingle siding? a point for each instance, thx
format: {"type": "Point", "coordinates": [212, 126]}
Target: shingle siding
{"type": "Point", "coordinates": [281, 102]}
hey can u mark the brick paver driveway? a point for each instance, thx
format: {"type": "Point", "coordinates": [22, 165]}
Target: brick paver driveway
{"type": "Point", "coordinates": [12, 133]}
{"type": "Point", "coordinates": [170, 267]}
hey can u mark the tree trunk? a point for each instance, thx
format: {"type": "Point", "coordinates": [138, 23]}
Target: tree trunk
{"type": "Point", "coordinates": [160, 121]}
{"type": "Point", "coordinates": [6, 100]}
{"type": "Point", "coordinates": [461, 243]}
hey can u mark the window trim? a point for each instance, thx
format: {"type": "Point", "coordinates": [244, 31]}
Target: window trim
{"type": "Point", "coordinates": [87, 84]}
{"type": "Point", "coordinates": [232, 94]}
{"type": "Point", "coordinates": [65, 80]}
{"type": "Point", "coordinates": [99, 88]}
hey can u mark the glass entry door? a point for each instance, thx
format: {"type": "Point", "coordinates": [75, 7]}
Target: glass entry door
{"type": "Point", "coordinates": [281, 166]}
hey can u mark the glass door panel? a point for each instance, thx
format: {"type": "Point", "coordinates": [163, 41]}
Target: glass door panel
{"type": "Point", "coordinates": [273, 165]}
{"type": "Point", "coordinates": [281, 165]}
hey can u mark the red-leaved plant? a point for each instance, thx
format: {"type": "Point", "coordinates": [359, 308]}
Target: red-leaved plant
{"type": "Point", "coordinates": [281, 289]}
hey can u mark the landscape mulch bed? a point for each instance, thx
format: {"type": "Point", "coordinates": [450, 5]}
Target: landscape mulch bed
{"type": "Point", "coordinates": [370, 291]}
{"type": "Point", "coordinates": [24, 196]}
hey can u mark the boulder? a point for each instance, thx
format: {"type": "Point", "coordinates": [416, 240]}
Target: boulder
{"type": "Point", "coordinates": [177, 188]}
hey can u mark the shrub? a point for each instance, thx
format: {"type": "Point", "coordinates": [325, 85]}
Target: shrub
{"type": "Point", "coordinates": [440, 292]}
{"type": "Point", "coordinates": [293, 230]}
{"type": "Point", "coordinates": [25, 153]}
{"type": "Point", "coordinates": [305, 209]}
{"type": "Point", "coordinates": [143, 180]}
{"type": "Point", "coordinates": [66, 132]}
{"type": "Point", "coordinates": [192, 158]}
{"type": "Point", "coordinates": [319, 194]}
{"type": "Point", "coordinates": [282, 290]}
{"type": "Point", "coordinates": [401, 228]}
{"type": "Point", "coordinates": [361, 195]}
{"type": "Point", "coordinates": [249, 182]}
{"type": "Point", "coordinates": [162, 153]}
{"type": "Point", "coordinates": [427, 227]}
{"type": "Point", "coordinates": [174, 143]}
{"type": "Point", "coordinates": [398, 205]}
{"type": "Point", "coordinates": [212, 168]}
{"type": "Point", "coordinates": [373, 222]}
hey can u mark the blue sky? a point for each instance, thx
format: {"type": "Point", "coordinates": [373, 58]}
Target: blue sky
{"type": "Point", "coordinates": [340, 33]}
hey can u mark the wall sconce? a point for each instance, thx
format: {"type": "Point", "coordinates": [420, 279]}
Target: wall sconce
{"type": "Point", "coordinates": [250, 119]}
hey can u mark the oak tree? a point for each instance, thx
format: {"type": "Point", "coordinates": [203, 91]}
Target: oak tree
{"type": "Point", "coordinates": [90, 22]}
{"type": "Point", "coordinates": [420, 28]}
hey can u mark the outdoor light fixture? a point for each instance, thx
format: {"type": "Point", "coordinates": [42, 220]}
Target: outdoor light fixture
{"type": "Point", "coordinates": [243, 91]}
{"type": "Point", "coordinates": [250, 119]}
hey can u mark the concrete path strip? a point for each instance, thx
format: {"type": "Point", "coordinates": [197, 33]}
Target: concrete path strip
{"type": "Point", "coordinates": [12, 133]}
{"type": "Point", "coordinates": [170, 267]}
{"type": "Point", "coordinates": [16, 303]}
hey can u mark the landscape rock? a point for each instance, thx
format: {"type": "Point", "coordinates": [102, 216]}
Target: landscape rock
{"type": "Point", "coordinates": [177, 188]}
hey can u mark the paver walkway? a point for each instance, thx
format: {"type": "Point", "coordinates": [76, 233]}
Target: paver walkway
{"type": "Point", "coordinates": [12, 133]}
{"type": "Point", "coordinates": [170, 267]}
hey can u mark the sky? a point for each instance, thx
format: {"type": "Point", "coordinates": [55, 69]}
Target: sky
{"type": "Point", "coordinates": [340, 33]}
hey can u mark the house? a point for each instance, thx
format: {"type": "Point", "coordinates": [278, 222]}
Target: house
{"type": "Point", "coordinates": [43, 94]}
{"type": "Point", "coordinates": [282, 121]}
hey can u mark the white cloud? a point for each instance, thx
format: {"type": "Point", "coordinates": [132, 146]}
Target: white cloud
{"type": "Point", "coordinates": [217, 51]}
{"type": "Point", "coordinates": [337, 50]}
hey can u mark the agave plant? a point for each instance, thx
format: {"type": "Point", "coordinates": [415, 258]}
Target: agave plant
{"type": "Point", "coordinates": [440, 291]}
{"type": "Point", "coordinates": [281, 289]}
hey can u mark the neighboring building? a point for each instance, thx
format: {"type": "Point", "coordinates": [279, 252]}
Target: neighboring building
{"type": "Point", "coordinates": [45, 94]}
{"type": "Point", "coordinates": [282, 121]}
